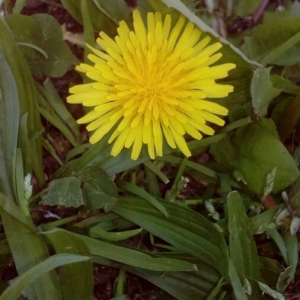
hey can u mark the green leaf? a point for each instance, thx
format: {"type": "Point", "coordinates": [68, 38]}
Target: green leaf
{"type": "Point", "coordinates": [279, 47]}
{"type": "Point", "coordinates": [65, 121]}
{"type": "Point", "coordinates": [259, 223]}
{"type": "Point", "coordinates": [133, 257]}
{"type": "Point", "coordinates": [98, 232]}
{"type": "Point", "coordinates": [185, 229]}
{"type": "Point", "coordinates": [267, 290]}
{"type": "Point", "coordinates": [98, 189]}
{"type": "Point", "coordinates": [292, 256]}
{"type": "Point", "coordinates": [134, 189]}
{"type": "Point", "coordinates": [92, 188]}
{"type": "Point", "coordinates": [260, 151]}
{"type": "Point", "coordinates": [77, 278]}
{"type": "Point", "coordinates": [236, 283]}
{"type": "Point", "coordinates": [15, 289]}
{"type": "Point", "coordinates": [40, 38]}
{"type": "Point", "coordinates": [289, 119]}
{"type": "Point", "coordinates": [24, 144]}
{"type": "Point", "coordinates": [270, 270]}
{"type": "Point", "coordinates": [242, 247]}
{"type": "Point", "coordinates": [27, 95]}
{"type": "Point", "coordinates": [28, 249]}
{"type": "Point", "coordinates": [99, 155]}
{"type": "Point", "coordinates": [64, 191]}
{"type": "Point", "coordinates": [9, 123]}
{"type": "Point", "coordinates": [103, 15]}
{"type": "Point", "coordinates": [245, 8]}
{"type": "Point", "coordinates": [183, 285]}
{"type": "Point", "coordinates": [263, 90]}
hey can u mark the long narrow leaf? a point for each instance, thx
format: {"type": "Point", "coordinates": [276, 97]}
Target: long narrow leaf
{"type": "Point", "coordinates": [130, 187]}
{"type": "Point", "coordinates": [15, 289]}
{"type": "Point", "coordinates": [185, 229]}
{"type": "Point", "coordinates": [28, 249]}
{"type": "Point", "coordinates": [132, 257]}
{"type": "Point", "coordinates": [77, 278]}
{"type": "Point", "coordinates": [241, 243]}
{"type": "Point", "coordinates": [27, 94]}
{"type": "Point", "coordinates": [9, 123]}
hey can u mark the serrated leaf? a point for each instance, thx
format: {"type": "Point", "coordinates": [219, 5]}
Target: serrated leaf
{"type": "Point", "coordinates": [41, 41]}
{"type": "Point", "coordinates": [260, 151]}
{"type": "Point", "coordinates": [242, 247]}
{"type": "Point", "coordinates": [92, 188]}
{"type": "Point", "coordinates": [263, 90]}
{"type": "Point", "coordinates": [64, 191]}
{"type": "Point", "coordinates": [99, 190]}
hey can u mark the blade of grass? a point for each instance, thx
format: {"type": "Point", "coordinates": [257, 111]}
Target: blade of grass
{"type": "Point", "coordinates": [242, 247]}
{"type": "Point", "coordinates": [15, 289]}
{"type": "Point", "coordinates": [275, 235]}
{"type": "Point", "coordinates": [87, 27]}
{"type": "Point", "coordinates": [236, 283]}
{"type": "Point", "coordinates": [185, 229]}
{"type": "Point", "coordinates": [28, 249]}
{"type": "Point", "coordinates": [152, 182]}
{"type": "Point", "coordinates": [9, 123]}
{"type": "Point", "coordinates": [195, 166]}
{"type": "Point", "coordinates": [130, 256]}
{"type": "Point", "coordinates": [134, 189]}
{"type": "Point", "coordinates": [22, 201]}
{"type": "Point", "coordinates": [179, 182]}
{"type": "Point", "coordinates": [27, 95]}
{"type": "Point", "coordinates": [99, 154]}
{"type": "Point", "coordinates": [48, 146]}
{"type": "Point", "coordinates": [151, 166]}
{"type": "Point", "coordinates": [77, 278]}
{"type": "Point", "coordinates": [71, 129]}
{"type": "Point", "coordinates": [24, 144]}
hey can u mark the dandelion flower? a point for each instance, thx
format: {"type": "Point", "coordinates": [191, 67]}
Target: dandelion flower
{"type": "Point", "coordinates": [150, 85]}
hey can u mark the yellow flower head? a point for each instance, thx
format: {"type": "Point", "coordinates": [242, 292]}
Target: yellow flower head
{"type": "Point", "coordinates": [149, 85]}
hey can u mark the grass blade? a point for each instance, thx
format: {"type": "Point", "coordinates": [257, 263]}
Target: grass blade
{"type": "Point", "coordinates": [76, 278]}
{"type": "Point", "coordinates": [28, 95]}
{"type": "Point", "coordinates": [242, 247]}
{"type": "Point", "coordinates": [132, 257]}
{"type": "Point", "coordinates": [15, 289]}
{"type": "Point", "coordinates": [185, 229]}
{"type": "Point", "coordinates": [28, 249]}
{"type": "Point", "coordinates": [9, 123]}
{"type": "Point", "coordinates": [132, 188]}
